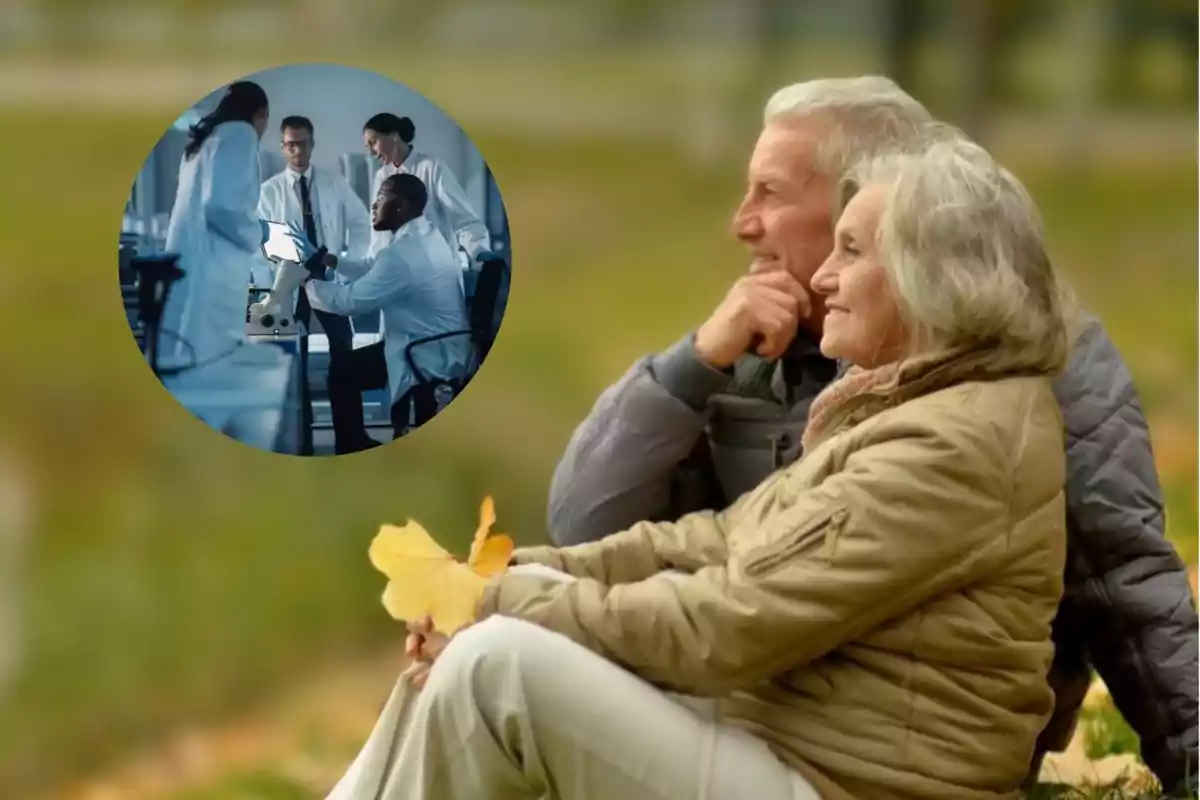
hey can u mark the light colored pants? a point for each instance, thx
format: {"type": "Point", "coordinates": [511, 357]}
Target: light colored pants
{"type": "Point", "coordinates": [512, 710]}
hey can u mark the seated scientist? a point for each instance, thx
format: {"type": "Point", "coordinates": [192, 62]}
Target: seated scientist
{"type": "Point", "coordinates": [872, 621]}
{"type": "Point", "coordinates": [415, 281]}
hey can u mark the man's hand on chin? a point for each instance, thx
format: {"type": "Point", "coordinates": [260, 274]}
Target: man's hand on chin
{"type": "Point", "coordinates": [761, 313]}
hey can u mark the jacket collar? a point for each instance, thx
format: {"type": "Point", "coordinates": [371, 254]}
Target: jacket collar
{"type": "Point", "coordinates": [294, 177]}
{"type": "Point", "coordinates": [779, 380]}
{"type": "Point", "coordinates": [416, 226]}
{"type": "Point", "coordinates": [860, 394]}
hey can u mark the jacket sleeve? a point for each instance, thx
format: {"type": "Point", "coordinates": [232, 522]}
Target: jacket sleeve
{"type": "Point", "coordinates": [618, 465]}
{"type": "Point", "coordinates": [351, 269]}
{"type": "Point", "coordinates": [687, 545]}
{"type": "Point", "coordinates": [787, 603]}
{"type": "Point", "coordinates": [1132, 601]}
{"type": "Point", "coordinates": [388, 277]}
{"type": "Point", "coordinates": [358, 220]}
{"type": "Point", "coordinates": [266, 203]}
{"type": "Point", "coordinates": [230, 191]}
{"type": "Point", "coordinates": [466, 223]}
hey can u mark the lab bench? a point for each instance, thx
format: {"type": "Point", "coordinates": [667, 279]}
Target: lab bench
{"type": "Point", "coordinates": [252, 395]}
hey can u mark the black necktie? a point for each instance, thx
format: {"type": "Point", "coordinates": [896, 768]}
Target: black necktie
{"type": "Point", "coordinates": [310, 222]}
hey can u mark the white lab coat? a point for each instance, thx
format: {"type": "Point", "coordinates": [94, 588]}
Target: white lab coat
{"type": "Point", "coordinates": [343, 224]}
{"type": "Point", "coordinates": [414, 282]}
{"type": "Point", "coordinates": [447, 208]}
{"type": "Point", "coordinates": [216, 231]}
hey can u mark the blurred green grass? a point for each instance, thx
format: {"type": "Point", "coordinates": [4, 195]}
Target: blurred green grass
{"type": "Point", "coordinates": [176, 575]}
{"type": "Point", "coordinates": [1106, 733]}
{"type": "Point", "coordinates": [260, 785]}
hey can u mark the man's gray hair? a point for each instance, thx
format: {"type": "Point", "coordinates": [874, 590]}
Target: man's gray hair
{"type": "Point", "coordinates": [865, 115]}
{"type": "Point", "coordinates": [963, 244]}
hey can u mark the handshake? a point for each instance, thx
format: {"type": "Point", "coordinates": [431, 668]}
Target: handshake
{"type": "Point", "coordinates": [760, 314]}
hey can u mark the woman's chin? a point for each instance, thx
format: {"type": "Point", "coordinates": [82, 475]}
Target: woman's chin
{"type": "Point", "coordinates": [831, 347]}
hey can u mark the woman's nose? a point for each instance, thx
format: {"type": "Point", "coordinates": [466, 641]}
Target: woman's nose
{"type": "Point", "coordinates": [824, 280]}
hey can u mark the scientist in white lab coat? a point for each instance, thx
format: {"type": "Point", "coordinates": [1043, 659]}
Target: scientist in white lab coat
{"type": "Point", "coordinates": [414, 282]}
{"type": "Point", "coordinates": [321, 203]}
{"type": "Point", "coordinates": [215, 228]}
{"type": "Point", "coordinates": [389, 139]}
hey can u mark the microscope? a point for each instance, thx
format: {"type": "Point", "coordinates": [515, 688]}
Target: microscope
{"type": "Point", "coordinates": [296, 259]}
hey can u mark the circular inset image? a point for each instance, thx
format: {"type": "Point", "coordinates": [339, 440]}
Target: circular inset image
{"type": "Point", "coordinates": [314, 260]}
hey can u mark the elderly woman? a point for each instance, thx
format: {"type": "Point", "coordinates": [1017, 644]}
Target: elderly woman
{"type": "Point", "coordinates": [871, 622]}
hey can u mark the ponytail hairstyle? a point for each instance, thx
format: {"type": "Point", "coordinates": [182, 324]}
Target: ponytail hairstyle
{"type": "Point", "coordinates": [390, 123]}
{"type": "Point", "coordinates": [242, 100]}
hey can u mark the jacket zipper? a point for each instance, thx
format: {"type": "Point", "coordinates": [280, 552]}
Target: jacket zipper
{"type": "Point", "coordinates": [770, 556]}
{"type": "Point", "coordinates": [780, 442]}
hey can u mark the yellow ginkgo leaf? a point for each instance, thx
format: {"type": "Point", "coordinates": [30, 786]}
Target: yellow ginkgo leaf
{"type": "Point", "coordinates": [493, 557]}
{"type": "Point", "coordinates": [489, 554]}
{"type": "Point", "coordinates": [487, 518]}
{"type": "Point", "coordinates": [424, 578]}
{"type": "Point", "coordinates": [449, 598]}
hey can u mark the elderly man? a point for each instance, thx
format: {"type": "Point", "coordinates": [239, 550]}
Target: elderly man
{"type": "Point", "coordinates": [697, 426]}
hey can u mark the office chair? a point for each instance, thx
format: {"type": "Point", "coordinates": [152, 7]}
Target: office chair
{"type": "Point", "coordinates": [483, 317]}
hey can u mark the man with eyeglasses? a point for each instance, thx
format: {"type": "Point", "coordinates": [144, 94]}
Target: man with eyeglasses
{"type": "Point", "coordinates": [322, 203]}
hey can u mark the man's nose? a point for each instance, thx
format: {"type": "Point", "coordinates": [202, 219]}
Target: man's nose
{"type": "Point", "coordinates": [747, 224]}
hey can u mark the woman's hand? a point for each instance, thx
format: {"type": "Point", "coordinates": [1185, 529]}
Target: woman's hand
{"type": "Point", "coordinates": [423, 642]}
{"type": "Point", "coordinates": [423, 645]}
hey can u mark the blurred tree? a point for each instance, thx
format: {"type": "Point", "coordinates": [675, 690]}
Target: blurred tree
{"type": "Point", "coordinates": [730, 111]}
{"type": "Point", "coordinates": [68, 25]}
{"type": "Point", "coordinates": [770, 28]}
{"type": "Point", "coordinates": [628, 21]}
{"type": "Point", "coordinates": [984, 32]}
{"type": "Point", "coordinates": [322, 17]}
{"type": "Point", "coordinates": [631, 21]}
{"type": "Point", "coordinates": [1084, 37]}
{"type": "Point", "coordinates": [408, 18]}
{"type": "Point", "coordinates": [903, 26]}
{"type": "Point", "coordinates": [1132, 24]}
{"type": "Point", "coordinates": [771, 31]}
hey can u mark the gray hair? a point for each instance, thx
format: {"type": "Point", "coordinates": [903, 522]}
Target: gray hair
{"type": "Point", "coordinates": [866, 115]}
{"type": "Point", "coordinates": [963, 244]}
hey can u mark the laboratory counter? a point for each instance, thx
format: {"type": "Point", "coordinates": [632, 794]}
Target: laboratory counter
{"type": "Point", "coordinates": [252, 395]}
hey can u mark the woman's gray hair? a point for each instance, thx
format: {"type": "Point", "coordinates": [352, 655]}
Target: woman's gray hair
{"type": "Point", "coordinates": [865, 115]}
{"type": "Point", "coordinates": [963, 244]}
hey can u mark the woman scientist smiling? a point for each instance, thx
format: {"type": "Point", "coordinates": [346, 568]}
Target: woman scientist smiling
{"type": "Point", "coordinates": [389, 139]}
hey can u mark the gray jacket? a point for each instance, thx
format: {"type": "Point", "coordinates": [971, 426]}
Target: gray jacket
{"type": "Point", "coordinates": [674, 435]}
